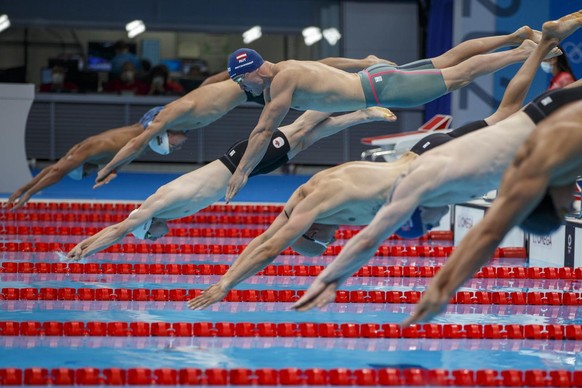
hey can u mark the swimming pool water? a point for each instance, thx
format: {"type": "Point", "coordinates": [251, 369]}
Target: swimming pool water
{"type": "Point", "coordinates": [271, 352]}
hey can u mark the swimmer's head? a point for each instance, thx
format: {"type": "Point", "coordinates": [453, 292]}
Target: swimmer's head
{"type": "Point", "coordinates": [316, 240]}
{"type": "Point", "coordinates": [168, 141]}
{"type": "Point", "coordinates": [422, 220]}
{"type": "Point", "coordinates": [83, 171]}
{"type": "Point", "coordinates": [152, 229]}
{"type": "Point", "coordinates": [242, 62]}
{"type": "Point", "coordinates": [548, 216]}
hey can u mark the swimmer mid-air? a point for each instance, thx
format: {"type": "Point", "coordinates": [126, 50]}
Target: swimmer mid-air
{"type": "Point", "coordinates": [162, 128]}
{"type": "Point", "coordinates": [454, 172]}
{"type": "Point", "coordinates": [351, 194]}
{"type": "Point", "coordinates": [194, 191]}
{"type": "Point", "coordinates": [307, 85]}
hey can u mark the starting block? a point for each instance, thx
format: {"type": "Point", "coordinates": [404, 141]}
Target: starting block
{"type": "Point", "coordinates": [392, 146]}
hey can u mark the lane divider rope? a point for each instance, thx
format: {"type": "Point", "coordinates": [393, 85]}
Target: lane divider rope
{"type": "Point", "coordinates": [553, 298]}
{"type": "Point", "coordinates": [291, 376]}
{"type": "Point", "coordinates": [393, 271]}
{"type": "Point", "coordinates": [110, 207]}
{"type": "Point", "coordinates": [292, 329]}
{"type": "Point", "coordinates": [234, 249]}
{"type": "Point", "coordinates": [49, 229]}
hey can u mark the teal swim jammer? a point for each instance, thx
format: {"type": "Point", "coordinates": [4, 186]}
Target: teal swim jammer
{"type": "Point", "coordinates": [398, 87]}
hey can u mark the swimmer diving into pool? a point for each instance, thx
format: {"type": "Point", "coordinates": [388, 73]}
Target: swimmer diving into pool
{"type": "Point", "coordinates": [307, 85]}
{"type": "Point", "coordinates": [194, 191]}
{"type": "Point", "coordinates": [162, 128]}
{"type": "Point", "coordinates": [352, 193]}
{"type": "Point", "coordinates": [455, 172]}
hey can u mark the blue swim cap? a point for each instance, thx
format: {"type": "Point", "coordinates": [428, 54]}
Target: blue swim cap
{"type": "Point", "coordinates": [413, 227]}
{"type": "Point", "coordinates": [242, 61]}
{"type": "Point", "coordinates": [544, 219]}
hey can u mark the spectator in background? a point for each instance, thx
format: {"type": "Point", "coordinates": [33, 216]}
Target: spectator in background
{"type": "Point", "coordinates": [144, 74]}
{"type": "Point", "coordinates": [127, 82]}
{"type": "Point", "coordinates": [561, 72]}
{"type": "Point", "coordinates": [198, 72]}
{"type": "Point", "coordinates": [161, 84]}
{"type": "Point", "coordinates": [122, 56]}
{"type": "Point", "coordinates": [59, 83]}
{"type": "Point", "coordinates": [146, 65]}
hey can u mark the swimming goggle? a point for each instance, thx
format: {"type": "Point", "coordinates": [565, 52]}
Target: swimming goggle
{"type": "Point", "coordinates": [239, 79]}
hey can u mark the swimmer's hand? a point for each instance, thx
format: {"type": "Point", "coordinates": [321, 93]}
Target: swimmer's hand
{"type": "Point", "coordinates": [75, 254]}
{"type": "Point", "coordinates": [211, 295]}
{"type": "Point", "coordinates": [17, 200]}
{"type": "Point", "coordinates": [319, 294]}
{"type": "Point", "coordinates": [433, 302]}
{"type": "Point", "coordinates": [104, 176]}
{"type": "Point", "coordinates": [237, 181]}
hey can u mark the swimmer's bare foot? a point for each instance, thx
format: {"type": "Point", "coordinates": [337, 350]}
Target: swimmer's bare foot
{"type": "Point", "coordinates": [529, 46]}
{"type": "Point", "coordinates": [563, 27]}
{"type": "Point", "coordinates": [527, 32]}
{"type": "Point", "coordinates": [376, 113]}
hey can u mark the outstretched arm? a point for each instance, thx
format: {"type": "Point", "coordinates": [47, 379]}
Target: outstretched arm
{"type": "Point", "coordinates": [157, 203]}
{"type": "Point", "coordinates": [171, 117]}
{"type": "Point", "coordinates": [362, 247]}
{"type": "Point", "coordinates": [108, 236]}
{"type": "Point", "coordinates": [519, 195]}
{"type": "Point", "coordinates": [52, 174]}
{"type": "Point", "coordinates": [23, 194]}
{"type": "Point", "coordinates": [257, 255]}
{"type": "Point", "coordinates": [273, 113]}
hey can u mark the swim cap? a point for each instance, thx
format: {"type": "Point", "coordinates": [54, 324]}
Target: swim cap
{"type": "Point", "coordinates": [242, 61]}
{"type": "Point", "coordinates": [544, 219]}
{"type": "Point", "coordinates": [77, 174]}
{"type": "Point", "coordinates": [413, 227]}
{"type": "Point", "coordinates": [149, 116]}
{"type": "Point", "coordinates": [309, 247]}
{"type": "Point", "coordinates": [142, 230]}
{"type": "Point", "coordinates": [315, 241]}
{"type": "Point", "coordinates": [160, 144]}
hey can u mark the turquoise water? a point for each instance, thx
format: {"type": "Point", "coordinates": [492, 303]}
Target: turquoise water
{"type": "Point", "coordinates": [253, 353]}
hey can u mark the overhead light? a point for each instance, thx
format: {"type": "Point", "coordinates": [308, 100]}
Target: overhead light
{"type": "Point", "coordinates": [332, 35]}
{"type": "Point", "coordinates": [311, 35]}
{"type": "Point", "coordinates": [134, 28]}
{"type": "Point", "coordinates": [252, 34]}
{"type": "Point", "coordinates": [4, 22]}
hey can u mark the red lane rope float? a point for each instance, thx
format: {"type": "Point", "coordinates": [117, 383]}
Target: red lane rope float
{"type": "Point", "coordinates": [127, 207]}
{"type": "Point", "coordinates": [112, 218]}
{"type": "Point", "coordinates": [26, 267]}
{"type": "Point", "coordinates": [76, 230]}
{"type": "Point", "coordinates": [233, 249]}
{"type": "Point", "coordinates": [552, 298]}
{"type": "Point", "coordinates": [291, 376]}
{"type": "Point", "coordinates": [292, 329]}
